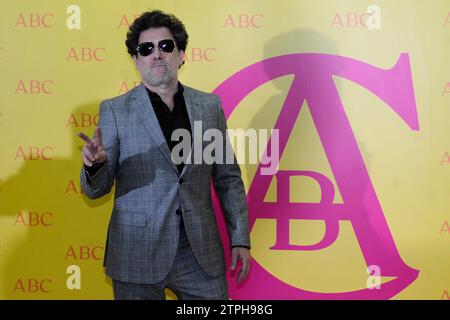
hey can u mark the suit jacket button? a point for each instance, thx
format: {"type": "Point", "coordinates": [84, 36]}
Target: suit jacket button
{"type": "Point", "coordinates": [178, 212]}
{"type": "Point", "coordinates": [181, 180]}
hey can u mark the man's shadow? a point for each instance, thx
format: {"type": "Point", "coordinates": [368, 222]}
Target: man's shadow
{"type": "Point", "coordinates": [291, 42]}
{"type": "Point", "coordinates": [48, 224]}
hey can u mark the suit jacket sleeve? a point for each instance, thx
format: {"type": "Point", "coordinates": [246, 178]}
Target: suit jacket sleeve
{"type": "Point", "coordinates": [230, 190]}
{"type": "Point", "coordinates": [102, 181]}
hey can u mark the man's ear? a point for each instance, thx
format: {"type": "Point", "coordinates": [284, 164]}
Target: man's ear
{"type": "Point", "coordinates": [135, 59]}
{"type": "Point", "coordinates": [182, 58]}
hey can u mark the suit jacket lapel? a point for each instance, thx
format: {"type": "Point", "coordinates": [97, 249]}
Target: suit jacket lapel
{"type": "Point", "coordinates": [194, 111]}
{"type": "Point", "coordinates": [143, 105]}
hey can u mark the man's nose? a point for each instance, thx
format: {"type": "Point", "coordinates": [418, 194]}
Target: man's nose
{"type": "Point", "coordinates": [157, 53]}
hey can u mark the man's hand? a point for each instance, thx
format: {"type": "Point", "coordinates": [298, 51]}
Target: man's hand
{"type": "Point", "coordinates": [93, 150]}
{"type": "Point", "coordinates": [243, 254]}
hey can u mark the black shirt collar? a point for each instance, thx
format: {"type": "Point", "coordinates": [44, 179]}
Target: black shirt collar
{"type": "Point", "coordinates": [155, 97]}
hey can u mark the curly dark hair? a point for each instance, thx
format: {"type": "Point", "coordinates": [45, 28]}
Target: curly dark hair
{"type": "Point", "coordinates": [156, 19]}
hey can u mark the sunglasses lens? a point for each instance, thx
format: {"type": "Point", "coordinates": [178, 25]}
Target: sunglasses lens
{"type": "Point", "coordinates": [145, 48]}
{"type": "Point", "coordinates": [167, 45]}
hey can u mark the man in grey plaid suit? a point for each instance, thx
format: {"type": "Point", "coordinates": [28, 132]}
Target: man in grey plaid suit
{"type": "Point", "coordinates": [163, 232]}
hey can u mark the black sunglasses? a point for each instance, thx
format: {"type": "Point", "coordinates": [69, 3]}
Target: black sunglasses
{"type": "Point", "coordinates": [147, 48]}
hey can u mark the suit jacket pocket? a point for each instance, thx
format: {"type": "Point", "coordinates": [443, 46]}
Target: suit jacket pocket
{"type": "Point", "coordinates": [129, 217]}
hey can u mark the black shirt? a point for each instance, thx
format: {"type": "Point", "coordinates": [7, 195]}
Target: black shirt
{"type": "Point", "coordinates": [169, 121]}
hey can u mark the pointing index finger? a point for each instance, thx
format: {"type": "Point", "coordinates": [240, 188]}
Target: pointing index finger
{"type": "Point", "coordinates": [98, 135]}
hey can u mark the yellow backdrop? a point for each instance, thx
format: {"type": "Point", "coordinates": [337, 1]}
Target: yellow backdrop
{"type": "Point", "coordinates": [59, 59]}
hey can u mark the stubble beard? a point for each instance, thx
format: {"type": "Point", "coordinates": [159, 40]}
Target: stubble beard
{"type": "Point", "coordinates": [156, 80]}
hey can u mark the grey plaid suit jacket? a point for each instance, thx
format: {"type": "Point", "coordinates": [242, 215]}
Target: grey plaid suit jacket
{"type": "Point", "coordinates": [144, 227]}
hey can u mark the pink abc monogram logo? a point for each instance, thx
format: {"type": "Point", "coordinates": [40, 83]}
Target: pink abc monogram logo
{"type": "Point", "coordinates": [313, 83]}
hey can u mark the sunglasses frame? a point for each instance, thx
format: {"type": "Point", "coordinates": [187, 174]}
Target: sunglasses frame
{"type": "Point", "coordinates": [160, 46]}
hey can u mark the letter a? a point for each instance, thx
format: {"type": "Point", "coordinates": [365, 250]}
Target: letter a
{"type": "Point", "coordinates": [74, 280]}
{"type": "Point", "coordinates": [74, 20]}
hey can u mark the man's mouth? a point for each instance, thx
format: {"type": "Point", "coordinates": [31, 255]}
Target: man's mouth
{"type": "Point", "coordinates": [158, 65]}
